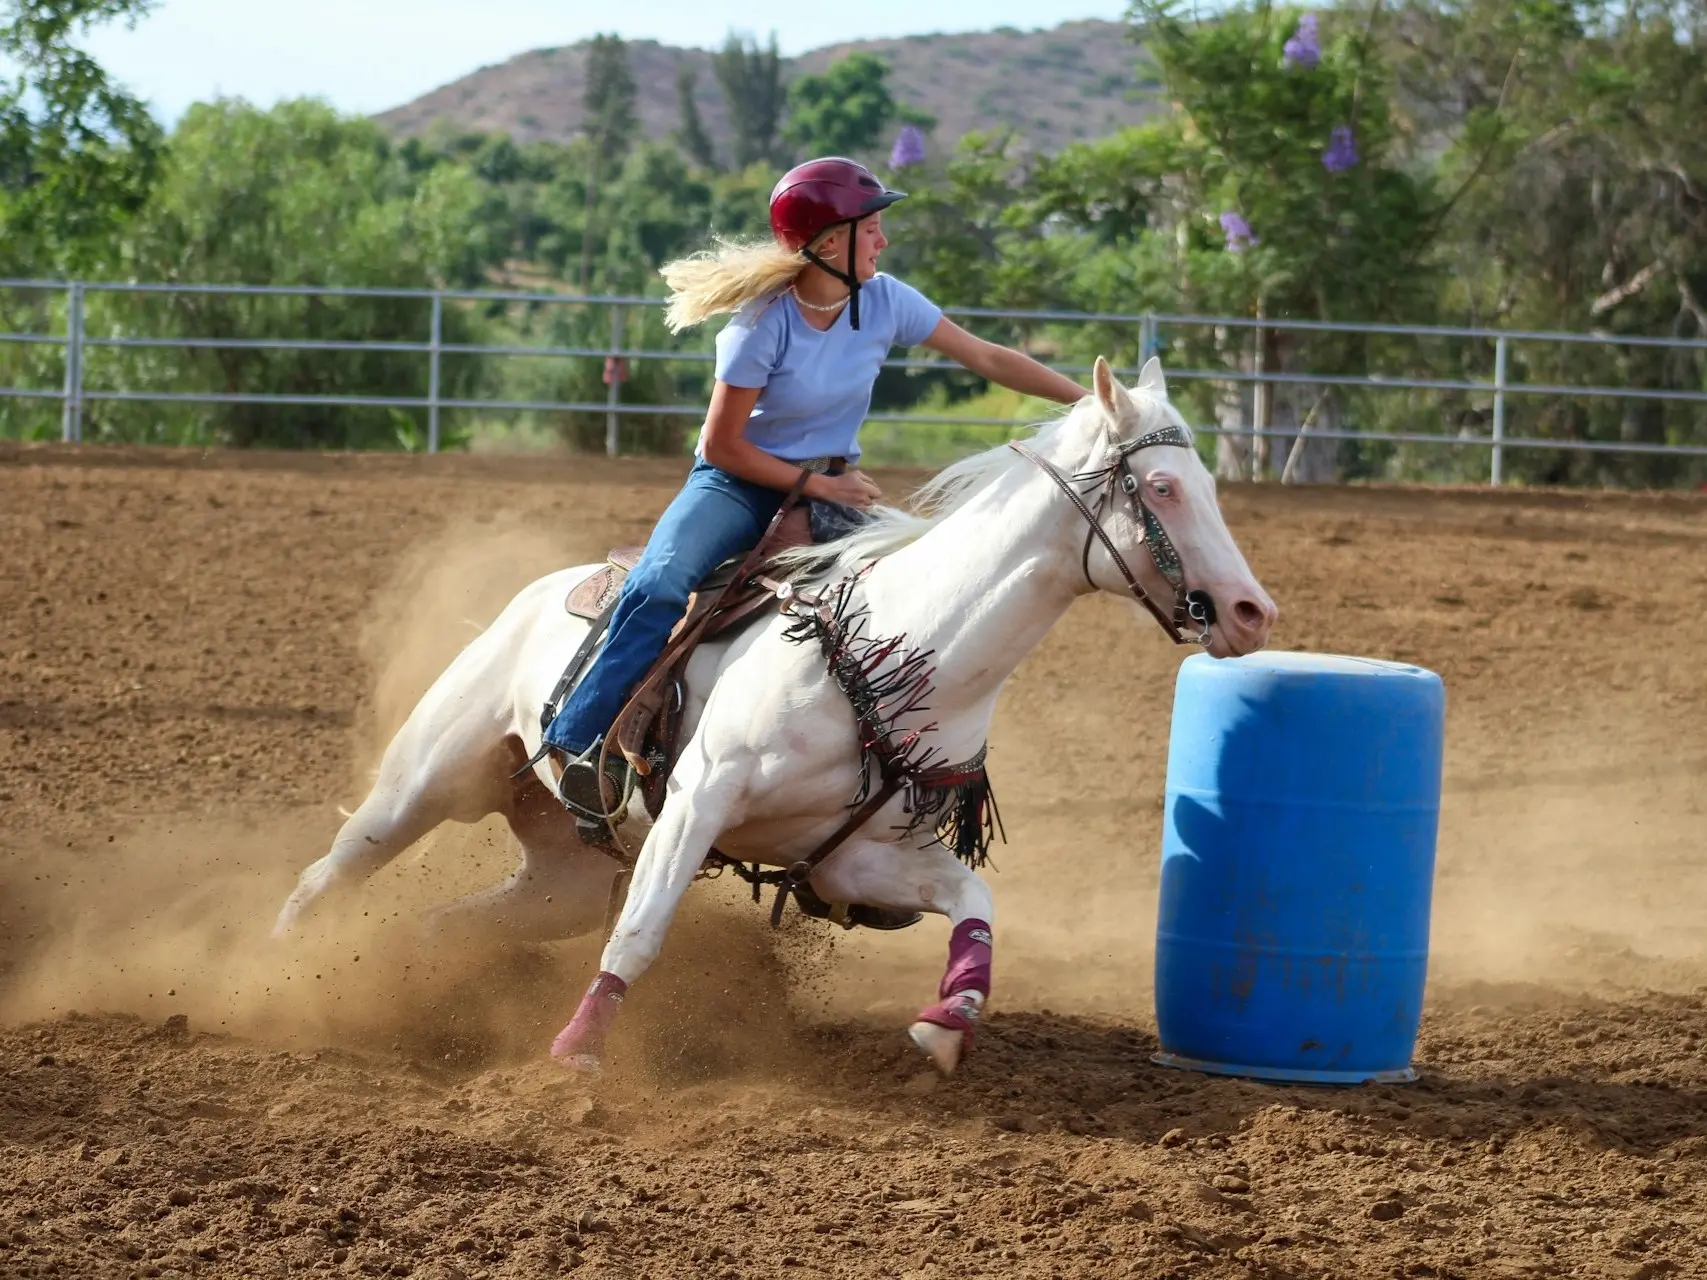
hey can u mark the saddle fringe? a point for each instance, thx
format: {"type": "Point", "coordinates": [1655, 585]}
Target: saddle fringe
{"type": "Point", "coordinates": [884, 680]}
{"type": "Point", "coordinates": [967, 819]}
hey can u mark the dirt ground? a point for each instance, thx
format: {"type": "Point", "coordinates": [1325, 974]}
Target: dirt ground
{"type": "Point", "coordinates": [200, 656]}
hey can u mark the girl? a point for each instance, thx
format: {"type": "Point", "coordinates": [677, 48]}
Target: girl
{"type": "Point", "coordinates": [814, 320]}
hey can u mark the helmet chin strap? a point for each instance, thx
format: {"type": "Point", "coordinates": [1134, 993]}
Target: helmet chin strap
{"type": "Point", "coordinates": [847, 278]}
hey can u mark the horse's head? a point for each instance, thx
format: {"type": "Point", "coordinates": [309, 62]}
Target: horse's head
{"type": "Point", "coordinates": [1165, 511]}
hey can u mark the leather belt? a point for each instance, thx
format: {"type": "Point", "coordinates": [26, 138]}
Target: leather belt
{"type": "Point", "coordinates": [822, 466]}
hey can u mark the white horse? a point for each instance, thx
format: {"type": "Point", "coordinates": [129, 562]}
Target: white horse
{"type": "Point", "coordinates": [771, 757]}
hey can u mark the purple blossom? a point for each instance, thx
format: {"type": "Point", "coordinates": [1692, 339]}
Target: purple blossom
{"type": "Point", "coordinates": [909, 148]}
{"type": "Point", "coordinates": [1304, 49]}
{"type": "Point", "coordinates": [1342, 150]}
{"type": "Point", "coordinates": [1238, 233]}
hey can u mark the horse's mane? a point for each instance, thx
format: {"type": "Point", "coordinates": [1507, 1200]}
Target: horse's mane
{"type": "Point", "coordinates": [888, 529]}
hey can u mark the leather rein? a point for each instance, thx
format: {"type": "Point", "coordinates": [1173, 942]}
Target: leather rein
{"type": "Point", "coordinates": [1188, 606]}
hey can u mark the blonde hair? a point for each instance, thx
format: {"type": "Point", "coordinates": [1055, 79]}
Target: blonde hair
{"type": "Point", "coordinates": [727, 278]}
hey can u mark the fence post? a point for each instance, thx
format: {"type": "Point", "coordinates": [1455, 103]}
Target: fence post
{"type": "Point", "coordinates": [1147, 342]}
{"type": "Point", "coordinates": [432, 372]}
{"type": "Point", "coordinates": [1496, 474]}
{"type": "Point", "coordinates": [615, 368]}
{"type": "Point", "coordinates": [437, 341]}
{"type": "Point", "coordinates": [71, 425]}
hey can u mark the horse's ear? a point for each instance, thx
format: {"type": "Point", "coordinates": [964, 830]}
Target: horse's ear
{"type": "Point", "coordinates": [1110, 394]}
{"type": "Point", "coordinates": [1151, 378]}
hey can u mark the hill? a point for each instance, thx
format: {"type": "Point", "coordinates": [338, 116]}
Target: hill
{"type": "Point", "coordinates": [1074, 81]}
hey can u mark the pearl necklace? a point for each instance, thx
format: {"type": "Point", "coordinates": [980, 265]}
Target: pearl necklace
{"type": "Point", "coordinates": [814, 306]}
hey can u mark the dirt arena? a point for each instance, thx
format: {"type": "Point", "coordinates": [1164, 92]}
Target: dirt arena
{"type": "Point", "coordinates": [200, 656]}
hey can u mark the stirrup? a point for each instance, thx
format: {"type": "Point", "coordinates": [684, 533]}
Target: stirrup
{"type": "Point", "coordinates": [579, 791]}
{"type": "Point", "coordinates": [850, 915]}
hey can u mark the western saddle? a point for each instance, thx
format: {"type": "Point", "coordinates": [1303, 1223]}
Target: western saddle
{"type": "Point", "coordinates": [646, 733]}
{"type": "Point", "coordinates": [732, 596]}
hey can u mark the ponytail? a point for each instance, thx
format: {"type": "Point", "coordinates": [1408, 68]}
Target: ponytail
{"type": "Point", "coordinates": [726, 279]}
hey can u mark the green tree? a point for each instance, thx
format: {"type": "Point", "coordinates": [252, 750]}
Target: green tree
{"type": "Point", "coordinates": [608, 99]}
{"type": "Point", "coordinates": [657, 208]}
{"type": "Point", "coordinates": [1301, 152]}
{"type": "Point", "coordinates": [691, 136]}
{"type": "Point", "coordinates": [1579, 166]}
{"type": "Point", "coordinates": [1274, 190]}
{"type": "Point", "coordinates": [843, 111]}
{"type": "Point", "coordinates": [293, 196]}
{"type": "Point", "coordinates": [1271, 189]}
{"type": "Point", "coordinates": [751, 80]}
{"type": "Point", "coordinates": [1333, 237]}
{"type": "Point", "coordinates": [971, 237]}
{"type": "Point", "coordinates": [610, 129]}
{"type": "Point", "coordinates": [78, 155]}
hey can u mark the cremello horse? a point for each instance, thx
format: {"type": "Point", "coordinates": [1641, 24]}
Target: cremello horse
{"type": "Point", "coordinates": [771, 761]}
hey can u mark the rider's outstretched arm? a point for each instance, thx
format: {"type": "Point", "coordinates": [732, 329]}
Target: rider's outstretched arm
{"type": "Point", "coordinates": [1002, 365]}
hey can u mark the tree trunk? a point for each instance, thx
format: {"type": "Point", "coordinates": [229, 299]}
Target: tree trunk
{"type": "Point", "coordinates": [587, 231]}
{"type": "Point", "coordinates": [1306, 458]}
{"type": "Point", "coordinates": [1235, 410]}
{"type": "Point", "coordinates": [1265, 346]}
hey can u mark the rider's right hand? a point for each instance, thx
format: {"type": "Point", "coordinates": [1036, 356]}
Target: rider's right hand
{"type": "Point", "coordinates": [850, 489]}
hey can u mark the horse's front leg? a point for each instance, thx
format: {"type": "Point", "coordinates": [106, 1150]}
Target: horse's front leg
{"type": "Point", "coordinates": [696, 812]}
{"type": "Point", "coordinates": [908, 878]}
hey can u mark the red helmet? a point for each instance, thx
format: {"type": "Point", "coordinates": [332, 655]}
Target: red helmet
{"type": "Point", "coordinates": [820, 193]}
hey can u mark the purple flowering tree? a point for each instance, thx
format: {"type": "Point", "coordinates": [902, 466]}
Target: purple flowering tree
{"type": "Point", "coordinates": [1269, 194]}
{"type": "Point", "coordinates": [1304, 48]}
{"type": "Point", "coordinates": [1279, 178]}
{"type": "Point", "coordinates": [909, 148]}
{"type": "Point", "coordinates": [1341, 151]}
{"type": "Point", "coordinates": [1238, 232]}
{"type": "Point", "coordinates": [1242, 200]}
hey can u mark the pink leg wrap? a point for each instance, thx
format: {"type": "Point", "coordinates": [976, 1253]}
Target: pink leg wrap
{"type": "Point", "coordinates": [968, 959]}
{"type": "Point", "coordinates": [957, 1013]}
{"type": "Point", "coordinates": [968, 970]}
{"type": "Point", "coordinates": [581, 1042]}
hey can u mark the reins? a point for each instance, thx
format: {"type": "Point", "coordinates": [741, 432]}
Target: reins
{"type": "Point", "coordinates": [1188, 606]}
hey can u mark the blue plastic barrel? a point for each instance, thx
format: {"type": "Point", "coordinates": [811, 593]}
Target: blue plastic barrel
{"type": "Point", "coordinates": [1303, 800]}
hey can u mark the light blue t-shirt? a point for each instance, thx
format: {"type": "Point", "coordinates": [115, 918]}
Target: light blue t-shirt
{"type": "Point", "coordinates": [816, 385]}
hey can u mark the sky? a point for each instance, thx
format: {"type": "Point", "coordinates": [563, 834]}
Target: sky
{"type": "Point", "coordinates": [368, 55]}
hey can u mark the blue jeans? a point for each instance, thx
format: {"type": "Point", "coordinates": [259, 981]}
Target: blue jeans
{"type": "Point", "coordinates": [715, 517]}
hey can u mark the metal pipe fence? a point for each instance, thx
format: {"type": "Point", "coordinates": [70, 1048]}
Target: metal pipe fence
{"type": "Point", "coordinates": [76, 342]}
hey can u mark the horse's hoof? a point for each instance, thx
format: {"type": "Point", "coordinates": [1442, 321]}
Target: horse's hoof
{"type": "Point", "coordinates": [944, 1030]}
{"type": "Point", "coordinates": [582, 1064]}
{"type": "Point", "coordinates": [941, 1045]}
{"type": "Point", "coordinates": [577, 1046]}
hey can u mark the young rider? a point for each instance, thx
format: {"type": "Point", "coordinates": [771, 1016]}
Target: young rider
{"type": "Point", "coordinates": [813, 321]}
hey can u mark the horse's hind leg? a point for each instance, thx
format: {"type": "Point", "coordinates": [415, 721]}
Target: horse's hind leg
{"type": "Point", "coordinates": [560, 889]}
{"type": "Point", "coordinates": [430, 774]}
{"type": "Point", "coordinates": [385, 824]}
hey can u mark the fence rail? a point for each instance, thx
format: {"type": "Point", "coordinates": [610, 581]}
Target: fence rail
{"type": "Point", "coordinates": [76, 341]}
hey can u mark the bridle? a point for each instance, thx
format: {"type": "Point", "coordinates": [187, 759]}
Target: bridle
{"type": "Point", "coordinates": [1188, 606]}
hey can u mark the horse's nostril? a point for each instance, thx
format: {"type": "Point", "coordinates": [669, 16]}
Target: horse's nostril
{"type": "Point", "coordinates": [1249, 614]}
